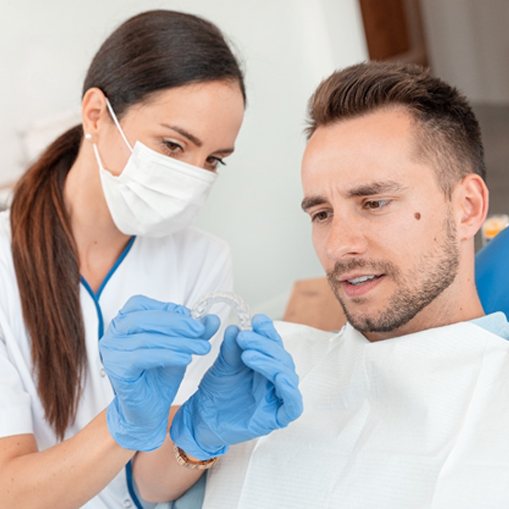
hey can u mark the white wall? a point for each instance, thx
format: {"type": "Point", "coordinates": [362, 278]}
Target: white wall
{"type": "Point", "coordinates": [288, 46]}
{"type": "Point", "coordinates": [468, 43]}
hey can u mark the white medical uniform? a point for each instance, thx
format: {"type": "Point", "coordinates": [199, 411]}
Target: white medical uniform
{"type": "Point", "coordinates": [180, 268]}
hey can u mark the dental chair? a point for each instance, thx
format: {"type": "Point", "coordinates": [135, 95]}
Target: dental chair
{"type": "Point", "coordinates": [492, 274]}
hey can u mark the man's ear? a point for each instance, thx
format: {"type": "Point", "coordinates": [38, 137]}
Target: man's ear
{"type": "Point", "coordinates": [470, 200]}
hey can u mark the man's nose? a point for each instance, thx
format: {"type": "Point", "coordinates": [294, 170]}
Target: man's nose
{"type": "Point", "coordinates": [345, 238]}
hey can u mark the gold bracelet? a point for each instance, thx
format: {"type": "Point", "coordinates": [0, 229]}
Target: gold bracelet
{"type": "Point", "coordinates": [184, 460]}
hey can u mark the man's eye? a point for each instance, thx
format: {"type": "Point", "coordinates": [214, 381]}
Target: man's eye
{"type": "Point", "coordinates": [320, 217]}
{"type": "Point", "coordinates": [375, 204]}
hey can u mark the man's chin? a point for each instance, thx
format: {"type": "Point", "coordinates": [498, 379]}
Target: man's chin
{"type": "Point", "coordinates": [364, 325]}
{"type": "Point", "coordinates": [360, 321]}
{"type": "Point", "coordinates": [372, 322]}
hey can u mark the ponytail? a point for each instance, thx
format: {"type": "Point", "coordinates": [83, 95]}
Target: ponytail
{"type": "Point", "coordinates": [47, 271]}
{"type": "Point", "coordinates": [152, 51]}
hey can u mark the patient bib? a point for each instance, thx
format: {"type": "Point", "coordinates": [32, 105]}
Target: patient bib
{"type": "Point", "coordinates": [420, 421]}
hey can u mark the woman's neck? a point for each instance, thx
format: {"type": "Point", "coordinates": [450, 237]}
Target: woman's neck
{"type": "Point", "coordinates": [98, 240]}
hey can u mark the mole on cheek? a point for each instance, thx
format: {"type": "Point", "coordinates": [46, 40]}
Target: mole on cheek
{"type": "Point", "coordinates": [417, 216]}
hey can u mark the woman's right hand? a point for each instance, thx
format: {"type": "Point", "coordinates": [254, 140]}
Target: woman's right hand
{"type": "Point", "coordinates": [145, 353]}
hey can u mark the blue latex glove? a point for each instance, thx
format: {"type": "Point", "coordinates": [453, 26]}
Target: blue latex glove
{"type": "Point", "coordinates": [145, 352]}
{"type": "Point", "coordinates": [250, 390]}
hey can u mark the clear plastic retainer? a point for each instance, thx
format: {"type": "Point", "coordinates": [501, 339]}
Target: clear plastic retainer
{"type": "Point", "coordinates": [237, 303]}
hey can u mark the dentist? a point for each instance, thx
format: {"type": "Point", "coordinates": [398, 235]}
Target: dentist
{"type": "Point", "coordinates": [103, 215]}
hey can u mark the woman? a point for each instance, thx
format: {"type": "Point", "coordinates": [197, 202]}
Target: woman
{"type": "Point", "coordinates": [103, 215]}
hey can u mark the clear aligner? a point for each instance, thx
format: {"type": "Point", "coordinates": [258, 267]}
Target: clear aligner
{"type": "Point", "coordinates": [237, 303]}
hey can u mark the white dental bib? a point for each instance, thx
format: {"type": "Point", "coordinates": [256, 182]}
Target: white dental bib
{"type": "Point", "coordinates": [419, 421]}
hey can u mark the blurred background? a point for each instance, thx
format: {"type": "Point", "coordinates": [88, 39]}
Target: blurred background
{"type": "Point", "coordinates": [287, 47]}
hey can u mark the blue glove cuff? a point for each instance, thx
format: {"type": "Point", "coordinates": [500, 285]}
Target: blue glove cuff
{"type": "Point", "coordinates": [182, 434]}
{"type": "Point", "coordinates": [129, 437]}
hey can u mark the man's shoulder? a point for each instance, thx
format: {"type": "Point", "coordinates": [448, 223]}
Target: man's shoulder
{"type": "Point", "coordinates": [494, 322]}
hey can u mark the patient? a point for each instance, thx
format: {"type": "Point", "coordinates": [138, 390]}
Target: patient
{"type": "Point", "coordinates": [408, 406]}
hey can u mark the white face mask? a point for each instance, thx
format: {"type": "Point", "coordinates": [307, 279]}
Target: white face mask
{"type": "Point", "coordinates": [155, 195]}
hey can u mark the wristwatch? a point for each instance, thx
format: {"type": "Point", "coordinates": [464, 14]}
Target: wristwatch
{"type": "Point", "coordinates": [184, 460]}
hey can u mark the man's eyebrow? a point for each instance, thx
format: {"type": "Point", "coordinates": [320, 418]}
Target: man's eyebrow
{"type": "Point", "coordinates": [386, 186]}
{"type": "Point", "coordinates": [312, 201]}
{"type": "Point", "coordinates": [370, 189]}
{"type": "Point", "coordinates": [195, 140]}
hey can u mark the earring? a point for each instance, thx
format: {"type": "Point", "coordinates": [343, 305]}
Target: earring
{"type": "Point", "coordinates": [88, 136]}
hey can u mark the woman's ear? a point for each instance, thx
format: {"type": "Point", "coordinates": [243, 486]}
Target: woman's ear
{"type": "Point", "coordinates": [93, 111]}
{"type": "Point", "coordinates": [471, 200]}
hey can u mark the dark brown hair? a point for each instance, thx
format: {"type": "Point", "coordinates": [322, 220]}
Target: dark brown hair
{"type": "Point", "coordinates": [150, 52]}
{"type": "Point", "coordinates": [448, 134]}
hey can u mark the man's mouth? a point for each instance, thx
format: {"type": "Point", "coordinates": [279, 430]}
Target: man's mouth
{"type": "Point", "coordinates": [359, 284]}
{"type": "Point", "coordinates": [360, 279]}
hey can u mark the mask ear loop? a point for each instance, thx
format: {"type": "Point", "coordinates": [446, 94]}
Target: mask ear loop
{"type": "Point", "coordinates": [88, 137]}
{"type": "Point", "coordinates": [117, 123]}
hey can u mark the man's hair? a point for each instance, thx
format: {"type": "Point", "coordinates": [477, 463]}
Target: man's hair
{"type": "Point", "coordinates": [448, 133]}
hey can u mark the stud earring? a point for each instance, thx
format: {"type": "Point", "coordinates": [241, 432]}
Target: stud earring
{"type": "Point", "coordinates": [88, 136]}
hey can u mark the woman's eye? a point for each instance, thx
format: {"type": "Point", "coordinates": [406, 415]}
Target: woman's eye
{"type": "Point", "coordinates": [376, 204]}
{"type": "Point", "coordinates": [320, 217]}
{"type": "Point", "coordinates": [172, 147]}
{"type": "Point", "coordinates": [214, 162]}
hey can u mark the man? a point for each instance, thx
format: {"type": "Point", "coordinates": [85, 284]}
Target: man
{"type": "Point", "coordinates": [408, 406]}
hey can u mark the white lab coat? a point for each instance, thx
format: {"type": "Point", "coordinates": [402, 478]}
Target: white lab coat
{"type": "Point", "coordinates": [180, 268]}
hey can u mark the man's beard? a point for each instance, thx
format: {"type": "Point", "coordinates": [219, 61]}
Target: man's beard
{"type": "Point", "coordinates": [432, 274]}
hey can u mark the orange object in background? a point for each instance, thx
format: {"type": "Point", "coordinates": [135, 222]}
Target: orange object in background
{"type": "Point", "coordinates": [493, 226]}
{"type": "Point", "coordinates": [313, 303]}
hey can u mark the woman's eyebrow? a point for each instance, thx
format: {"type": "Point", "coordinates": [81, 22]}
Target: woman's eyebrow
{"type": "Point", "coordinates": [194, 139]}
{"type": "Point", "coordinates": [191, 137]}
